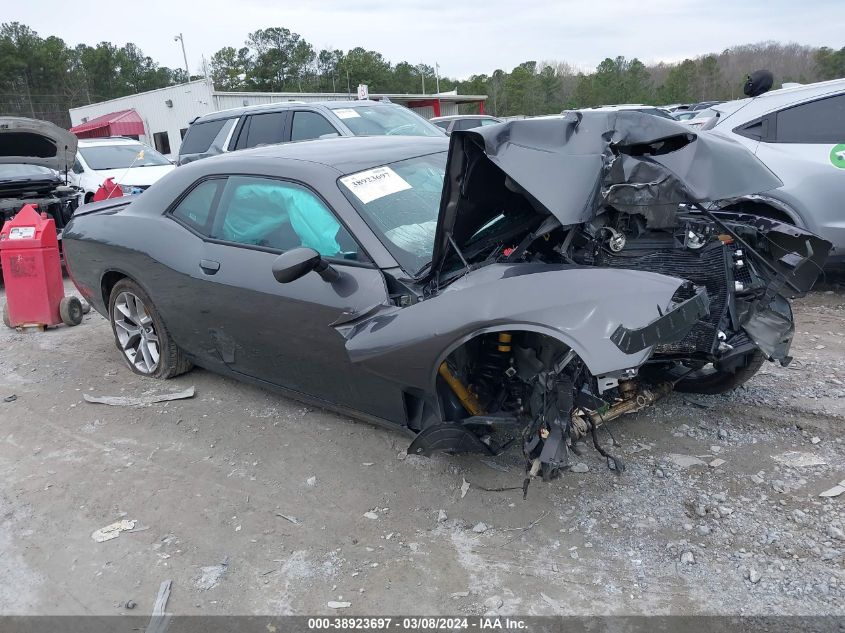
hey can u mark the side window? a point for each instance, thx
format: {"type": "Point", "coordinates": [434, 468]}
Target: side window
{"type": "Point", "coordinates": [194, 209]}
{"type": "Point", "coordinates": [279, 215]}
{"type": "Point", "coordinates": [488, 122]}
{"type": "Point", "coordinates": [467, 124]}
{"type": "Point", "coordinates": [162, 142]}
{"type": "Point", "coordinates": [198, 137]}
{"type": "Point", "coordinates": [77, 167]}
{"type": "Point", "coordinates": [308, 125]}
{"type": "Point", "coordinates": [265, 129]}
{"type": "Point", "coordinates": [442, 124]}
{"type": "Point", "coordinates": [821, 121]}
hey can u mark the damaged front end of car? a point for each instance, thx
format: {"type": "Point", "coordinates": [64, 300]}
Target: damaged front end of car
{"type": "Point", "coordinates": [581, 271]}
{"type": "Point", "coordinates": [34, 159]}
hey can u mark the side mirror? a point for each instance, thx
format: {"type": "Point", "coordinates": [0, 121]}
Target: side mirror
{"type": "Point", "coordinates": [298, 262]}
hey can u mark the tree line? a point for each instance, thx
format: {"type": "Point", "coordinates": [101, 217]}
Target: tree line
{"type": "Point", "coordinates": [42, 77]}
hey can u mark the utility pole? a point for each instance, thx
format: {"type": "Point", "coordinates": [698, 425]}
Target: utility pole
{"type": "Point", "coordinates": [437, 75]}
{"type": "Point", "coordinates": [28, 95]}
{"type": "Point", "coordinates": [181, 39]}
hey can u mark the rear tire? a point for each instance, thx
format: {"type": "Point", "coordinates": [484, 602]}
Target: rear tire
{"type": "Point", "coordinates": [141, 335]}
{"type": "Point", "coordinates": [720, 381]}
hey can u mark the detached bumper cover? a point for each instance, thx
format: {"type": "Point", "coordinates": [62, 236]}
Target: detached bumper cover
{"type": "Point", "coordinates": [669, 328]}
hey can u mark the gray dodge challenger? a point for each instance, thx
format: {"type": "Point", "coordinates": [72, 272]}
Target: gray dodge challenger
{"type": "Point", "coordinates": [519, 284]}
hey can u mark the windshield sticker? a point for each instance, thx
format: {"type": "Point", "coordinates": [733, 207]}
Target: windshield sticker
{"type": "Point", "coordinates": [376, 183]}
{"type": "Point", "coordinates": [346, 113]}
{"type": "Point", "coordinates": [837, 156]}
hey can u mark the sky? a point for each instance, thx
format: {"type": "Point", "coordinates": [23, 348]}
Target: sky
{"type": "Point", "coordinates": [464, 36]}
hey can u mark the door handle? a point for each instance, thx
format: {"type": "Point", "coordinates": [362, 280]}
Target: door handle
{"type": "Point", "coordinates": [209, 266]}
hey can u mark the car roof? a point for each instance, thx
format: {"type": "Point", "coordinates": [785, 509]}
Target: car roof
{"type": "Point", "coordinates": [285, 105]}
{"type": "Point", "coordinates": [346, 154]}
{"type": "Point", "coordinates": [456, 117]}
{"type": "Point", "coordinates": [622, 106]}
{"type": "Point", "coordinates": [742, 110]}
{"type": "Point", "coordinates": [108, 140]}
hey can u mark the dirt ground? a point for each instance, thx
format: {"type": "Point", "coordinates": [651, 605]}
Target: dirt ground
{"type": "Point", "coordinates": [210, 481]}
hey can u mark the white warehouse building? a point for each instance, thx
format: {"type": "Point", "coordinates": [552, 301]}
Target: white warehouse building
{"type": "Point", "coordinates": [161, 117]}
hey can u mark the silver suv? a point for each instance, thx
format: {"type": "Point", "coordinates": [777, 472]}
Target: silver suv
{"type": "Point", "coordinates": [241, 128]}
{"type": "Point", "coordinates": [799, 134]}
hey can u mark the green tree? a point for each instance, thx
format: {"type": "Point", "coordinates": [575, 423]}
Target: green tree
{"type": "Point", "coordinates": [280, 59]}
{"type": "Point", "coordinates": [229, 68]}
{"type": "Point", "coordinates": [830, 63]}
{"type": "Point", "coordinates": [680, 83]}
{"type": "Point", "coordinates": [366, 67]}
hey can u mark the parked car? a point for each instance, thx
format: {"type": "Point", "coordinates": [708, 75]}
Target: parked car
{"type": "Point", "coordinates": [631, 107]}
{"type": "Point", "coordinates": [242, 128]}
{"type": "Point", "coordinates": [684, 115]}
{"type": "Point", "coordinates": [463, 121]}
{"type": "Point", "coordinates": [34, 156]}
{"type": "Point", "coordinates": [523, 291]}
{"type": "Point", "coordinates": [700, 119]}
{"type": "Point", "coordinates": [133, 165]}
{"type": "Point", "coordinates": [799, 134]}
{"type": "Point", "coordinates": [691, 107]}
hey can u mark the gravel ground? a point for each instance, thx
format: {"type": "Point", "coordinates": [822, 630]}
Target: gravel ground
{"type": "Point", "coordinates": [255, 504]}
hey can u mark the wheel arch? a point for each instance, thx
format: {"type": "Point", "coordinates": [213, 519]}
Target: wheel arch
{"type": "Point", "coordinates": [512, 328]}
{"type": "Point", "coordinates": [111, 277]}
{"type": "Point", "coordinates": [767, 207]}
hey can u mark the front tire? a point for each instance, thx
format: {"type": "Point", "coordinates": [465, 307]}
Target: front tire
{"type": "Point", "coordinates": [140, 334]}
{"type": "Point", "coordinates": [712, 380]}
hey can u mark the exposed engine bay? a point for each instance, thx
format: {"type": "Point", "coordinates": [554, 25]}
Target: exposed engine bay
{"type": "Point", "coordinates": [35, 157]}
{"type": "Point", "coordinates": [39, 186]}
{"type": "Point", "coordinates": [640, 211]}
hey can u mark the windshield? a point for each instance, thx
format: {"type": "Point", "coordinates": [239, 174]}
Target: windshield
{"type": "Point", "coordinates": [121, 156]}
{"type": "Point", "coordinates": [400, 202]}
{"type": "Point", "coordinates": [16, 171]}
{"type": "Point", "coordinates": [385, 120]}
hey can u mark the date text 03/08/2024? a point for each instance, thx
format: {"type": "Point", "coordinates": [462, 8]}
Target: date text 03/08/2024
{"type": "Point", "coordinates": [419, 623]}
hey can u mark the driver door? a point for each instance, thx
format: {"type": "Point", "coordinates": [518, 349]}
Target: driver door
{"type": "Point", "coordinates": [282, 333]}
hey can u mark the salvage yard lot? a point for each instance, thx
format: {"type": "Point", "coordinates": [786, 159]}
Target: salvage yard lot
{"type": "Point", "coordinates": [270, 496]}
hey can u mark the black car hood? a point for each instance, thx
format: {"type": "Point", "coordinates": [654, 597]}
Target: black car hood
{"type": "Point", "coordinates": [573, 165]}
{"type": "Point", "coordinates": [32, 142]}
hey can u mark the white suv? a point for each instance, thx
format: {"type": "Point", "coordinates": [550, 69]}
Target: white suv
{"type": "Point", "coordinates": [132, 164]}
{"type": "Point", "coordinates": [799, 134]}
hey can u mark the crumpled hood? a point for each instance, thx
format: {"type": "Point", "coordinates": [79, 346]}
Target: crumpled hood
{"type": "Point", "coordinates": [33, 142]}
{"type": "Point", "coordinates": [572, 165]}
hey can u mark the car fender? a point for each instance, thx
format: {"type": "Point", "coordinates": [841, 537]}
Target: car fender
{"type": "Point", "coordinates": [780, 205]}
{"type": "Point", "coordinates": [581, 307]}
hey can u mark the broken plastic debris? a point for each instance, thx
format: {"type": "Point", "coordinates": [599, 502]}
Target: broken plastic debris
{"type": "Point", "coordinates": [717, 462]}
{"type": "Point", "coordinates": [464, 488]}
{"type": "Point", "coordinates": [290, 518]}
{"type": "Point", "coordinates": [370, 515]}
{"type": "Point", "coordinates": [798, 459]}
{"type": "Point", "coordinates": [112, 530]}
{"type": "Point", "coordinates": [837, 490]}
{"type": "Point", "coordinates": [332, 604]}
{"type": "Point", "coordinates": [139, 401]}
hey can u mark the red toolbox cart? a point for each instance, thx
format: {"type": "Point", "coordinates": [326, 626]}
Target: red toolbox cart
{"type": "Point", "coordinates": [32, 273]}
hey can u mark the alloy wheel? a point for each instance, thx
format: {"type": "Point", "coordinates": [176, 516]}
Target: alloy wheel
{"type": "Point", "coordinates": [136, 333]}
